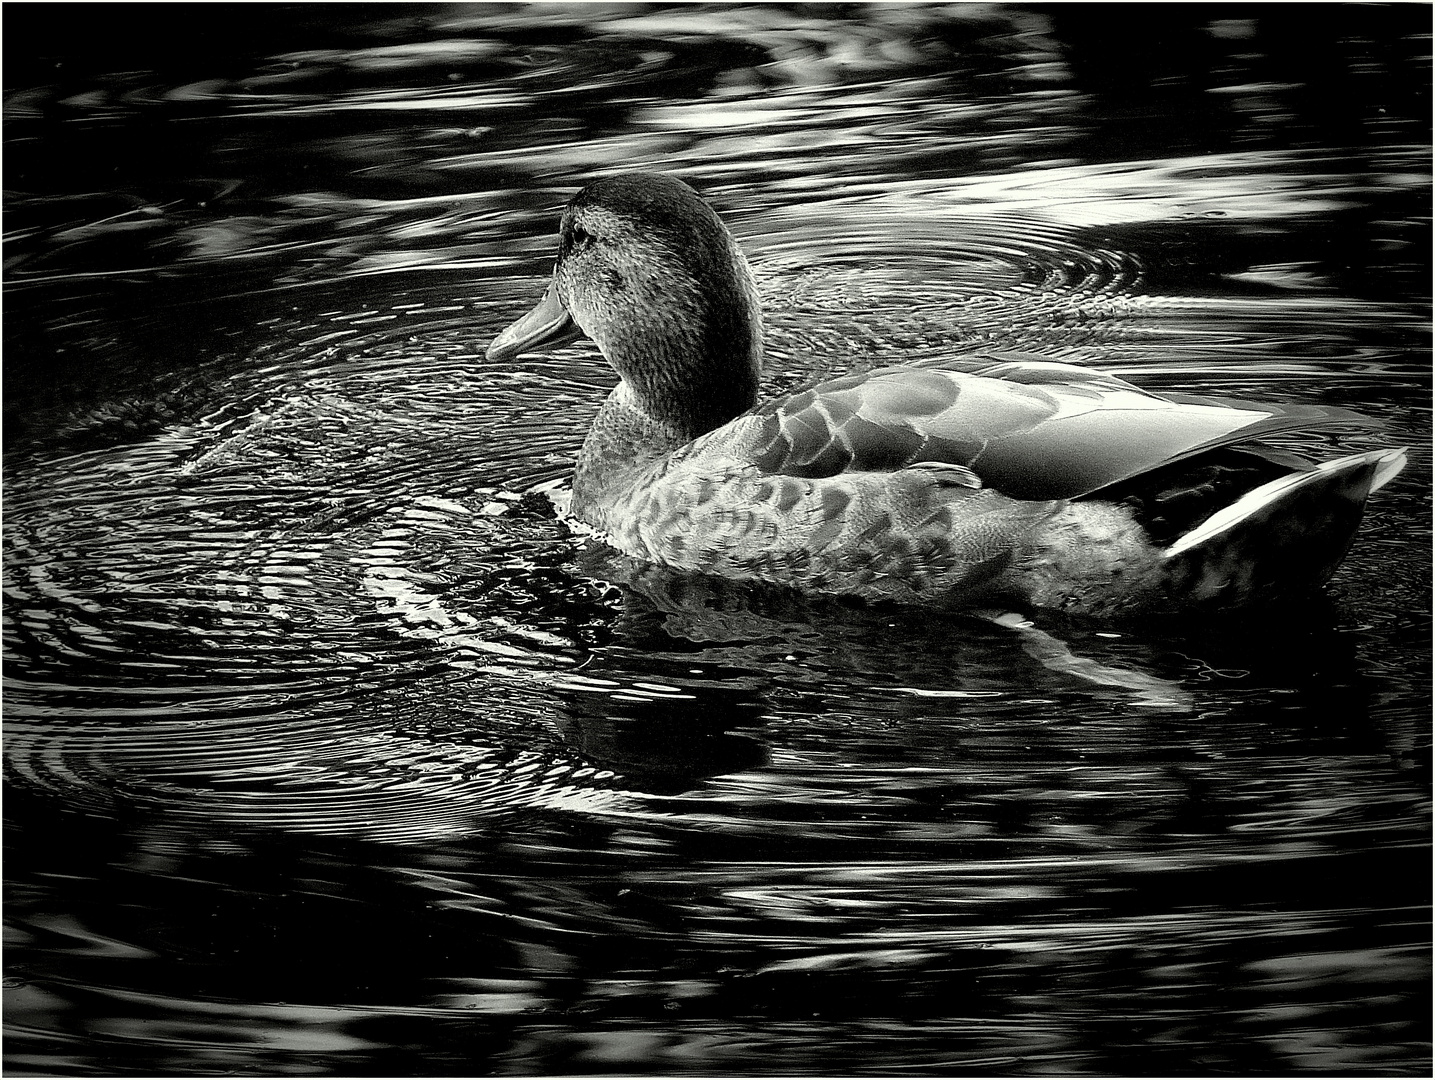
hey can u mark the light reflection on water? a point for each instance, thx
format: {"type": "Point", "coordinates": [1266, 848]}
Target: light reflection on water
{"type": "Point", "coordinates": [328, 750]}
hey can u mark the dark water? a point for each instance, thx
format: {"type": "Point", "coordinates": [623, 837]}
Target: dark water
{"type": "Point", "coordinates": [327, 750]}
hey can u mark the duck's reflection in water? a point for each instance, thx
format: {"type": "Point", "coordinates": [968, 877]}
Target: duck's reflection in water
{"type": "Point", "coordinates": [957, 653]}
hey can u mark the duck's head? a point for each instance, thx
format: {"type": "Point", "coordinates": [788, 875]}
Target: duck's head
{"type": "Point", "coordinates": [649, 272]}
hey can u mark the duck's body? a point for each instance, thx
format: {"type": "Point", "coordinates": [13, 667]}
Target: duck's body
{"type": "Point", "coordinates": [1011, 479]}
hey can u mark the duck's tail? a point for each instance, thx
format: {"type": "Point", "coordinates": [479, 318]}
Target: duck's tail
{"type": "Point", "coordinates": [1286, 536]}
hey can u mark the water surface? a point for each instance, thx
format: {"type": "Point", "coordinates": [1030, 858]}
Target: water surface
{"type": "Point", "coordinates": [329, 750]}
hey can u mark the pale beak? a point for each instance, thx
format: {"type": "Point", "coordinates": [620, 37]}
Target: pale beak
{"type": "Point", "coordinates": [549, 324]}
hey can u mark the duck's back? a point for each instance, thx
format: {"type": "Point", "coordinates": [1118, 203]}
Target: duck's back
{"type": "Point", "coordinates": [1031, 430]}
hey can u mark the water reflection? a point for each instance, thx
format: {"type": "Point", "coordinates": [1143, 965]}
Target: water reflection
{"type": "Point", "coordinates": [298, 657]}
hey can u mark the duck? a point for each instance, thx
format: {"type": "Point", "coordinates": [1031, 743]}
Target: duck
{"type": "Point", "coordinates": [992, 479]}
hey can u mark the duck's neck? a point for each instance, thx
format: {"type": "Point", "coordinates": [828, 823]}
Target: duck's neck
{"type": "Point", "coordinates": [690, 356]}
{"type": "Point", "coordinates": [690, 359]}
{"type": "Point", "coordinates": [625, 439]}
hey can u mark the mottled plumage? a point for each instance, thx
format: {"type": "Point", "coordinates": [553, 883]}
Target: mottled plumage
{"type": "Point", "coordinates": [1004, 478]}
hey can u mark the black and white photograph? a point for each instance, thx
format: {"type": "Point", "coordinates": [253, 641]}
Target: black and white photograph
{"type": "Point", "coordinates": [717, 539]}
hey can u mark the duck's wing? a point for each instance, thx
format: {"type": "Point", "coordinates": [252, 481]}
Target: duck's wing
{"type": "Point", "coordinates": [1032, 430]}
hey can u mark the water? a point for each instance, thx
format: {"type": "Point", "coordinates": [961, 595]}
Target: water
{"type": "Point", "coordinates": [328, 750]}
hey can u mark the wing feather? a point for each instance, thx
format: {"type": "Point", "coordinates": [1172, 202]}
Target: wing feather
{"type": "Point", "coordinates": [1031, 429]}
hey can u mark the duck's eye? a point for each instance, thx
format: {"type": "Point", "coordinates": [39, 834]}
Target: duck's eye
{"type": "Point", "coordinates": [579, 236]}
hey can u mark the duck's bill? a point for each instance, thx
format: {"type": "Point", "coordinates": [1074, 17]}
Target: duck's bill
{"type": "Point", "coordinates": [546, 326]}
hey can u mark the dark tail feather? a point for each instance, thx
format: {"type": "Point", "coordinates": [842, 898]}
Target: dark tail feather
{"type": "Point", "coordinates": [1285, 537]}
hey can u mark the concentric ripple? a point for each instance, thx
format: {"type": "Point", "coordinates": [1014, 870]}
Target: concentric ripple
{"type": "Point", "coordinates": [328, 591]}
